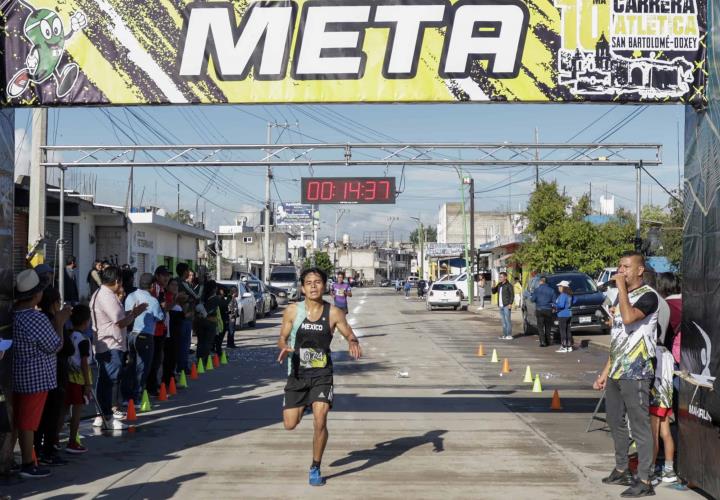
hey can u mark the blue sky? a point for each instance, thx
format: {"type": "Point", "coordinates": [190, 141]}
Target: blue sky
{"type": "Point", "coordinates": [425, 188]}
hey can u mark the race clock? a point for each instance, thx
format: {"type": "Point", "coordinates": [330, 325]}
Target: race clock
{"type": "Point", "coordinates": [355, 190]}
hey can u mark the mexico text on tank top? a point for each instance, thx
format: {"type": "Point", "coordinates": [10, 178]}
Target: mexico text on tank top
{"type": "Point", "coordinates": [312, 347]}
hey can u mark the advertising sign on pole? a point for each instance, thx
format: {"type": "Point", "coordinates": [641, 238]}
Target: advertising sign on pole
{"type": "Point", "coordinates": [294, 214]}
{"type": "Point", "coordinates": [112, 52]}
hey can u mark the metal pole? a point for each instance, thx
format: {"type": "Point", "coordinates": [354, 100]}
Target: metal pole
{"type": "Point", "coordinates": [422, 251]}
{"type": "Point", "coordinates": [61, 242]}
{"type": "Point", "coordinates": [36, 210]}
{"type": "Point", "coordinates": [537, 157]}
{"type": "Point", "coordinates": [471, 274]}
{"type": "Point", "coordinates": [218, 258]}
{"type": "Point", "coordinates": [465, 231]}
{"type": "Point", "coordinates": [638, 194]}
{"type": "Point", "coordinates": [266, 240]}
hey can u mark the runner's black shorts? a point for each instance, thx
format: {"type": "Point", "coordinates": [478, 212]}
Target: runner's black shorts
{"type": "Point", "coordinates": [302, 392]}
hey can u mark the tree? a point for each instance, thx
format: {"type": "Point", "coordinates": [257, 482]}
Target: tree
{"type": "Point", "coordinates": [183, 216]}
{"type": "Point", "coordinates": [558, 237]}
{"type": "Point", "coordinates": [430, 233]}
{"type": "Point", "coordinates": [322, 261]}
{"type": "Point", "coordinates": [664, 227]}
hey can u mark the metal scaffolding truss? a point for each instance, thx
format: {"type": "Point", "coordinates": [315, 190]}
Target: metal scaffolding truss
{"type": "Point", "coordinates": [354, 154]}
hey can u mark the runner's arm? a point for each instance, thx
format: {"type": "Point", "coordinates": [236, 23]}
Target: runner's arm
{"type": "Point", "coordinates": [285, 330]}
{"type": "Point", "coordinates": [338, 320]}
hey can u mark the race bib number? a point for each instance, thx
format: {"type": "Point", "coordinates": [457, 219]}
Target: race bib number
{"type": "Point", "coordinates": [311, 358]}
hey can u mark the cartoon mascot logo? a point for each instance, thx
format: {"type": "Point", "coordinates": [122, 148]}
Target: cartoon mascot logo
{"type": "Point", "coordinates": [45, 31]}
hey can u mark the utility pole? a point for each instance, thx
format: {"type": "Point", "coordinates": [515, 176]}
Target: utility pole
{"type": "Point", "coordinates": [387, 255]}
{"type": "Point", "coordinates": [638, 202]}
{"type": "Point", "coordinates": [178, 201]}
{"type": "Point", "coordinates": [36, 223]}
{"type": "Point", "coordinates": [61, 236]}
{"type": "Point", "coordinates": [268, 201]}
{"type": "Point", "coordinates": [470, 274]}
{"type": "Point", "coordinates": [537, 158]}
{"type": "Point", "coordinates": [218, 258]}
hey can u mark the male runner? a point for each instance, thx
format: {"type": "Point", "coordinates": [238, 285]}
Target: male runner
{"type": "Point", "coordinates": [341, 291]}
{"type": "Point", "coordinates": [306, 332]}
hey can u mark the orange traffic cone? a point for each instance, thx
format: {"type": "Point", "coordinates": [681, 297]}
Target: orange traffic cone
{"type": "Point", "coordinates": [131, 414]}
{"type": "Point", "coordinates": [506, 366]}
{"type": "Point", "coordinates": [481, 350]}
{"type": "Point", "coordinates": [173, 388]}
{"type": "Point", "coordinates": [163, 392]}
{"type": "Point", "coordinates": [216, 360]}
{"type": "Point", "coordinates": [555, 405]}
{"type": "Point", "coordinates": [193, 372]}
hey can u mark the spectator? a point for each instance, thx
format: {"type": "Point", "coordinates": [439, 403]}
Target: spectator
{"type": "Point", "coordinates": [127, 279]}
{"type": "Point", "coordinates": [36, 342]}
{"type": "Point", "coordinates": [407, 287]}
{"type": "Point", "coordinates": [71, 295]}
{"type": "Point", "coordinates": [79, 389]}
{"type": "Point", "coordinates": [544, 298]}
{"type": "Point", "coordinates": [160, 281]}
{"type": "Point", "coordinates": [141, 340]}
{"type": "Point", "coordinates": [480, 289]}
{"type": "Point", "coordinates": [232, 317]}
{"type": "Point", "coordinates": [628, 374]}
{"type": "Point", "coordinates": [223, 319]}
{"type": "Point", "coordinates": [506, 297]}
{"type": "Point", "coordinates": [185, 280]}
{"type": "Point", "coordinates": [174, 321]}
{"type": "Point", "coordinates": [517, 289]}
{"type": "Point", "coordinates": [46, 274]}
{"type": "Point", "coordinates": [563, 308]}
{"type": "Point", "coordinates": [110, 322]}
{"type": "Point", "coordinates": [93, 277]}
{"type": "Point", "coordinates": [662, 393]}
{"type": "Point", "coordinates": [207, 326]}
{"type": "Point", "coordinates": [47, 435]}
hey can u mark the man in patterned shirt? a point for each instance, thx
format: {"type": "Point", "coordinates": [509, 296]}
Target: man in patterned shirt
{"type": "Point", "coordinates": [628, 374]}
{"type": "Point", "coordinates": [35, 344]}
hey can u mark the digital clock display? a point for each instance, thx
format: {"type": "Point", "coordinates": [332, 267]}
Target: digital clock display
{"type": "Point", "coordinates": [328, 190]}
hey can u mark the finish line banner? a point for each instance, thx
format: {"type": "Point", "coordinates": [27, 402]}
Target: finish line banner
{"type": "Point", "coordinates": [84, 52]}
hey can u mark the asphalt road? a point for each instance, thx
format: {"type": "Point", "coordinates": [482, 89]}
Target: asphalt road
{"type": "Point", "coordinates": [454, 427]}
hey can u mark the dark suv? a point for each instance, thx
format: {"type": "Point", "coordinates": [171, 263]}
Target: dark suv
{"type": "Point", "coordinates": [587, 308]}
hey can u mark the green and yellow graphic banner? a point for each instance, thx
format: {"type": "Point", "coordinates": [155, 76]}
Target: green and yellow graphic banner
{"type": "Point", "coordinates": [75, 52]}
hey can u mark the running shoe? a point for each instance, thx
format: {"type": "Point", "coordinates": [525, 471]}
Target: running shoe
{"type": "Point", "coordinates": [639, 489]}
{"type": "Point", "coordinates": [623, 478]}
{"type": "Point", "coordinates": [119, 415]}
{"type": "Point", "coordinates": [98, 422]}
{"type": "Point", "coordinates": [562, 349]}
{"type": "Point", "coordinates": [51, 460]}
{"type": "Point", "coordinates": [31, 471]}
{"type": "Point", "coordinates": [118, 425]}
{"type": "Point", "coordinates": [669, 476]}
{"type": "Point", "coordinates": [569, 349]}
{"type": "Point", "coordinates": [75, 449]}
{"type": "Point", "coordinates": [316, 478]}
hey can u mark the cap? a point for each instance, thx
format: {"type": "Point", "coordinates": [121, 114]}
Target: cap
{"type": "Point", "coordinates": [162, 270]}
{"type": "Point", "coordinates": [564, 283]}
{"type": "Point", "coordinates": [27, 284]}
{"type": "Point", "coordinates": [43, 269]}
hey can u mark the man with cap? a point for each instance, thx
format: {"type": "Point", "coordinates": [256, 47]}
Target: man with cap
{"type": "Point", "coordinates": [141, 340]}
{"type": "Point", "coordinates": [45, 272]}
{"type": "Point", "coordinates": [36, 342]}
{"type": "Point", "coordinates": [160, 280]}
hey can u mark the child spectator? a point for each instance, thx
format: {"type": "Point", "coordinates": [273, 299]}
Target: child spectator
{"type": "Point", "coordinates": [79, 389]}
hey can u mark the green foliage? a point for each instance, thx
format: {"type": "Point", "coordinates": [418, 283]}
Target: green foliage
{"type": "Point", "coordinates": [558, 239]}
{"type": "Point", "coordinates": [322, 260]}
{"type": "Point", "coordinates": [670, 222]}
{"type": "Point", "coordinates": [430, 235]}
{"type": "Point", "coordinates": [183, 216]}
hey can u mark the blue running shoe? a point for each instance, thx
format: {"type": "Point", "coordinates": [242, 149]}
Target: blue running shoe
{"type": "Point", "coordinates": [316, 478]}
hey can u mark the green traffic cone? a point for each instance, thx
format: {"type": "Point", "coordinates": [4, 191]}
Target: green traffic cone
{"type": "Point", "coordinates": [223, 359]}
{"type": "Point", "coordinates": [208, 364]}
{"type": "Point", "coordinates": [528, 376]}
{"type": "Point", "coordinates": [182, 380]}
{"type": "Point", "coordinates": [200, 367]}
{"type": "Point", "coordinates": [537, 386]}
{"type": "Point", "coordinates": [145, 405]}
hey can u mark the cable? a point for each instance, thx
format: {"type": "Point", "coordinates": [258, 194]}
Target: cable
{"type": "Point", "coordinates": [671, 195]}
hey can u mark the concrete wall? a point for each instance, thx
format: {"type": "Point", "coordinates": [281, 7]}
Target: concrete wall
{"type": "Point", "coordinates": [489, 226]}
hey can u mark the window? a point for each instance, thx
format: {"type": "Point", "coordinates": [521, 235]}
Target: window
{"type": "Point", "coordinates": [444, 287]}
{"type": "Point", "coordinates": [579, 283]}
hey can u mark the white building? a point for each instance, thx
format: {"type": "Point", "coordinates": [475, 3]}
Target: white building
{"type": "Point", "coordinates": [157, 240]}
{"type": "Point", "coordinates": [489, 226]}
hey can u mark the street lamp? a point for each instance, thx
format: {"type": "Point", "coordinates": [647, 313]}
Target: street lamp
{"type": "Point", "coordinates": [421, 237]}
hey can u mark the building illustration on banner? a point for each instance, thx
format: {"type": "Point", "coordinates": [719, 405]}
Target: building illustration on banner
{"type": "Point", "coordinates": [632, 52]}
{"type": "Point", "coordinates": [44, 29]}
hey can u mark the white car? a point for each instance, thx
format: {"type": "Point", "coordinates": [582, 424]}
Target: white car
{"type": "Point", "coordinates": [247, 312]}
{"type": "Point", "coordinates": [460, 281]}
{"type": "Point", "coordinates": [443, 295]}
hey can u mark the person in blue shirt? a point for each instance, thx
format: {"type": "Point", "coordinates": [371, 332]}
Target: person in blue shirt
{"type": "Point", "coordinates": [544, 297]}
{"type": "Point", "coordinates": [563, 304]}
{"type": "Point", "coordinates": [141, 341]}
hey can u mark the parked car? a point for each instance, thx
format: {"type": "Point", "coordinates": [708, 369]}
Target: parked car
{"type": "Point", "coordinates": [263, 298]}
{"type": "Point", "coordinates": [247, 313]}
{"type": "Point", "coordinates": [286, 277]}
{"type": "Point", "coordinates": [587, 310]}
{"type": "Point", "coordinates": [412, 280]}
{"type": "Point", "coordinates": [605, 275]}
{"type": "Point", "coordinates": [278, 295]}
{"type": "Point", "coordinates": [443, 294]}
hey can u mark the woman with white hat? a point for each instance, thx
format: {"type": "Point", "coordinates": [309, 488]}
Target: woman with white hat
{"type": "Point", "coordinates": [563, 304]}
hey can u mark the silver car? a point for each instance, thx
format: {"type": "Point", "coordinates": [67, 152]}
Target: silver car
{"type": "Point", "coordinates": [247, 308]}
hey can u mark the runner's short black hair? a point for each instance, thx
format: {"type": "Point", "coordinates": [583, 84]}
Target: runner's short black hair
{"type": "Point", "coordinates": [313, 270]}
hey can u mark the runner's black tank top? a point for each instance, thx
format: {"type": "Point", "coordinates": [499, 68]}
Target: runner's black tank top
{"type": "Point", "coordinates": [312, 347]}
